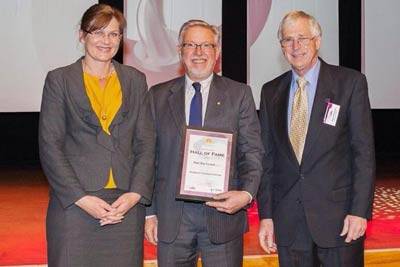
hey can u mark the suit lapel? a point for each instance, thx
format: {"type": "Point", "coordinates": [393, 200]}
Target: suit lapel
{"type": "Point", "coordinates": [215, 103]}
{"type": "Point", "coordinates": [176, 102]}
{"type": "Point", "coordinates": [323, 93]}
{"type": "Point", "coordinates": [280, 108]}
{"type": "Point", "coordinates": [76, 90]}
{"type": "Point", "coordinates": [125, 84]}
{"type": "Point", "coordinates": [78, 95]}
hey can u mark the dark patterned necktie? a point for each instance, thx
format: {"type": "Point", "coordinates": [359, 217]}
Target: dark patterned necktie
{"type": "Point", "coordinates": [195, 117]}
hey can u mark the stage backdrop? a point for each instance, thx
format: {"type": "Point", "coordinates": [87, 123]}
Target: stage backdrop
{"type": "Point", "coordinates": [265, 61]}
{"type": "Point", "coordinates": [381, 56]}
{"type": "Point", "coordinates": [152, 33]}
{"type": "Point", "coordinates": [40, 35]}
{"type": "Point", "coordinates": [36, 36]}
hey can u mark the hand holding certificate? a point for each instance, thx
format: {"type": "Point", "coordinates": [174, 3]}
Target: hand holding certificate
{"type": "Point", "coordinates": [230, 202]}
{"type": "Point", "coordinates": [206, 164]}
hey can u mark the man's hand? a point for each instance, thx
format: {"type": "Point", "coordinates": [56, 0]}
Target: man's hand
{"type": "Point", "coordinates": [150, 229]}
{"type": "Point", "coordinates": [95, 206]}
{"type": "Point", "coordinates": [266, 235]}
{"type": "Point", "coordinates": [230, 202]}
{"type": "Point", "coordinates": [354, 227]}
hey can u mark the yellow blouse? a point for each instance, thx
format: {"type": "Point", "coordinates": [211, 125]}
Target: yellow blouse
{"type": "Point", "coordinates": [105, 101]}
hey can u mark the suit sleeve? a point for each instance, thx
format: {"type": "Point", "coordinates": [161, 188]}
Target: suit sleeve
{"type": "Point", "coordinates": [152, 208]}
{"type": "Point", "coordinates": [52, 131]}
{"type": "Point", "coordinates": [362, 147]}
{"type": "Point", "coordinates": [264, 196]}
{"type": "Point", "coordinates": [249, 145]}
{"type": "Point", "coordinates": [142, 176]}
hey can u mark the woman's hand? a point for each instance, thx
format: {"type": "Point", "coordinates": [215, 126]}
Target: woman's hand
{"type": "Point", "coordinates": [125, 202]}
{"type": "Point", "coordinates": [121, 206]}
{"type": "Point", "coordinates": [95, 206]}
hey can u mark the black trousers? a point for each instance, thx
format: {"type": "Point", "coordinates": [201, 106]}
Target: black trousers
{"type": "Point", "coordinates": [303, 252]}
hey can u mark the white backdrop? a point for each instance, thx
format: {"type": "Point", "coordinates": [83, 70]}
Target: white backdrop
{"type": "Point", "coordinates": [40, 35]}
{"type": "Point", "coordinates": [382, 52]}
{"type": "Point", "coordinates": [265, 60]}
{"type": "Point", "coordinates": [152, 33]}
{"type": "Point", "coordinates": [36, 36]}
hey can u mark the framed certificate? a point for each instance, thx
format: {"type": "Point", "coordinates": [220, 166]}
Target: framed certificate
{"type": "Point", "coordinates": [206, 163]}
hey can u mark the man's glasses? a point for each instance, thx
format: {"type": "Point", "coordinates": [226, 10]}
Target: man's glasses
{"type": "Point", "coordinates": [193, 46]}
{"type": "Point", "coordinates": [289, 42]}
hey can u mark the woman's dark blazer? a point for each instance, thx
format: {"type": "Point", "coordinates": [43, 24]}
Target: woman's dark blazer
{"type": "Point", "coordinates": [76, 154]}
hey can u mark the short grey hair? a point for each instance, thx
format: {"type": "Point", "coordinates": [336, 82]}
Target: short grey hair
{"type": "Point", "coordinates": [293, 16]}
{"type": "Point", "coordinates": [199, 23]}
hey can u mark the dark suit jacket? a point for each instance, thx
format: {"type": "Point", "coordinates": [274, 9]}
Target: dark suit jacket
{"type": "Point", "coordinates": [76, 154]}
{"type": "Point", "coordinates": [235, 112]}
{"type": "Point", "coordinates": [336, 175]}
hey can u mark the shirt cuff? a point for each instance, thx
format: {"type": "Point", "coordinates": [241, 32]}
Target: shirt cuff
{"type": "Point", "coordinates": [251, 197]}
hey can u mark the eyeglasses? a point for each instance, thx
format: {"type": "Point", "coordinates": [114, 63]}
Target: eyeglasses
{"type": "Point", "coordinates": [193, 46]}
{"type": "Point", "coordinates": [100, 34]}
{"type": "Point", "coordinates": [289, 42]}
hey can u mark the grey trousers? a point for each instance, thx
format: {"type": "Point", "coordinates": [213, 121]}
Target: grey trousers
{"type": "Point", "coordinates": [192, 241]}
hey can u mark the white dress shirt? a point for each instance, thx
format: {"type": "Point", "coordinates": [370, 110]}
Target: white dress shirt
{"type": "Point", "coordinates": [189, 93]}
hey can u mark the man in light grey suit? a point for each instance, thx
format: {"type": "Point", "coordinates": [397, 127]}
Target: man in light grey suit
{"type": "Point", "coordinates": [182, 229]}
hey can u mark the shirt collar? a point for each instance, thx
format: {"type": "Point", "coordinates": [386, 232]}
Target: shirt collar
{"type": "Point", "coordinates": [205, 84]}
{"type": "Point", "coordinates": [311, 76]}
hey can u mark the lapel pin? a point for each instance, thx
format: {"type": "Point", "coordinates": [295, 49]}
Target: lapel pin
{"type": "Point", "coordinates": [218, 103]}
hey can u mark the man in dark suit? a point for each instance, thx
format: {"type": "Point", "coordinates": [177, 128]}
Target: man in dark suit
{"type": "Point", "coordinates": [317, 189]}
{"type": "Point", "coordinates": [182, 229]}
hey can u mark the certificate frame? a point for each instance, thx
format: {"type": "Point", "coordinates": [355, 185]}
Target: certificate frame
{"type": "Point", "coordinates": [206, 169]}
